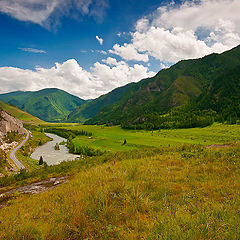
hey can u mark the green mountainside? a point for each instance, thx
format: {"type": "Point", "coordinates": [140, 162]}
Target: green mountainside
{"type": "Point", "coordinates": [19, 114]}
{"type": "Point", "coordinates": [211, 82]}
{"type": "Point", "coordinates": [91, 108]}
{"type": "Point", "coordinates": [51, 104]}
{"type": "Point", "coordinates": [223, 95]}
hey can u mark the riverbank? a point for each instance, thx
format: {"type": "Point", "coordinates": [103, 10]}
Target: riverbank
{"type": "Point", "coordinates": [23, 154]}
{"type": "Point", "coordinates": [49, 154]}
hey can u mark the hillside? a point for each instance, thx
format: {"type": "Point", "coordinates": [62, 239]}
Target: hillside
{"type": "Point", "coordinates": [19, 114]}
{"type": "Point", "coordinates": [10, 128]}
{"type": "Point", "coordinates": [188, 192]}
{"type": "Point", "coordinates": [223, 95]}
{"type": "Point", "coordinates": [48, 104]}
{"type": "Point", "coordinates": [188, 80]}
{"type": "Point", "coordinates": [91, 109]}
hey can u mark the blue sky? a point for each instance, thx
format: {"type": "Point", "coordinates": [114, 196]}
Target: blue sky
{"type": "Point", "coordinates": [53, 43]}
{"type": "Point", "coordinates": [71, 37]}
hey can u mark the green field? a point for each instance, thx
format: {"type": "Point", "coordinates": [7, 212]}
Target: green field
{"type": "Point", "coordinates": [112, 138]}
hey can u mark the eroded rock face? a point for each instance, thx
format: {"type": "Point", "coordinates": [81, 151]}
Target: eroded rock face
{"type": "Point", "coordinates": [9, 124]}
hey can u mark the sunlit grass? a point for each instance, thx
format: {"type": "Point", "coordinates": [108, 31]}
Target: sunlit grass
{"type": "Point", "coordinates": [180, 193]}
{"type": "Point", "coordinates": [112, 138]}
{"type": "Point", "coordinates": [19, 114]}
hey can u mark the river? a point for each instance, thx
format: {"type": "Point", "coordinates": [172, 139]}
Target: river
{"type": "Point", "coordinates": [50, 155]}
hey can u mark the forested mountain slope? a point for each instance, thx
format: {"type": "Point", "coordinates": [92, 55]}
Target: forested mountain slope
{"type": "Point", "coordinates": [48, 104]}
{"type": "Point", "coordinates": [211, 77]}
{"type": "Point", "coordinates": [91, 108]}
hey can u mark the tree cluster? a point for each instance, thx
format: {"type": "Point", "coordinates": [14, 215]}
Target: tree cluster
{"type": "Point", "coordinates": [176, 118]}
{"type": "Point", "coordinates": [82, 150]}
{"type": "Point", "coordinates": [65, 133]}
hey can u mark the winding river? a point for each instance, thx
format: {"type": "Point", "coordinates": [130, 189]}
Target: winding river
{"type": "Point", "coordinates": [50, 155]}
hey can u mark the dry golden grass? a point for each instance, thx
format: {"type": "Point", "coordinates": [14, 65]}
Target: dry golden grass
{"type": "Point", "coordinates": [186, 193]}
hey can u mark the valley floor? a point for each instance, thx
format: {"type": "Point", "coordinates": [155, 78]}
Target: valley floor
{"type": "Point", "coordinates": [179, 190]}
{"type": "Point", "coordinates": [112, 138]}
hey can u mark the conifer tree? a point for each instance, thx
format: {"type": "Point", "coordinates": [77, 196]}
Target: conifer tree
{"type": "Point", "coordinates": [41, 161]}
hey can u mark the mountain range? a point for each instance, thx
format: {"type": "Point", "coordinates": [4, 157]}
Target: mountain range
{"type": "Point", "coordinates": [52, 104]}
{"type": "Point", "coordinates": [211, 82]}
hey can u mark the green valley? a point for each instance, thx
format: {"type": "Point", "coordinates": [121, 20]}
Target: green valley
{"type": "Point", "coordinates": [120, 120]}
{"type": "Point", "coordinates": [160, 185]}
{"type": "Point", "coordinates": [111, 139]}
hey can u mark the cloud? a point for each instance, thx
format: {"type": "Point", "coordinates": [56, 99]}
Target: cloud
{"type": "Point", "coordinates": [191, 29]}
{"type": "Point", "coordinates": [114, 74]}
{"type": "Point", "coordinates": [102, 52]}
{"type": "Point", "coordinates": [111, 61]}
{"type": "Point", "coordinates": [100, 40]}
{"type": "Point", "coordinates": [71, 77]}
{"type": "Point", "coordinates": [33, 50]}
{"type": "Point", "coordinates": [129, 52]}
{"type": "Point", "coordinates": [47, 12]}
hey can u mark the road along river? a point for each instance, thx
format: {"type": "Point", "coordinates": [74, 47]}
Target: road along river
{"type": "Point", "coordinates": [50, 155]}
{"type": "Point", "coordinates": [13, 152]}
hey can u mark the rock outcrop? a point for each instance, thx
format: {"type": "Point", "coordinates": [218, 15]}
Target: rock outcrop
{"type": "Point", "coordinates": [9, 124]}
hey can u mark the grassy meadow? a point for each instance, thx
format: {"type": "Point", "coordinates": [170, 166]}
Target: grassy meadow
{"type": "Point", "coordinates": [160, 185]}
{"type": "Point", "coordinates": [112, 138]}
{"type": "Point", "coordinates": [187, 192]}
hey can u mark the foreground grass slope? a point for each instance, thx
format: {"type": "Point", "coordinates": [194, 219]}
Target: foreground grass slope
{"type": "Point", "coordinates": [188, 192]}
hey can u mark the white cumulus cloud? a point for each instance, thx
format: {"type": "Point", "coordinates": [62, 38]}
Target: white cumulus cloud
{"type": "Point", "coordinates": [47, 12]}
{"type": "Point", "coordinates": [129, 52]}
{"type": "Point", "coordinates": [119, 73]}
{"type": "Point", "coordinates": [191, 29]}
{"type": "Point", "coordinates": [71, 77]}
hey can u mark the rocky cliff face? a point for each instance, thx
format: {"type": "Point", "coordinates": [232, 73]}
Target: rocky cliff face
{"type": "Point", "coordinates": [9, 124]}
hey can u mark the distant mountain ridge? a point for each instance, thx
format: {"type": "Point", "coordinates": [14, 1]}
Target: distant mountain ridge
{"type": "Point", "coordinates": [208, 83]}
{"type": "Point", "coordinates": [186, 81]}
{"type": "Point", "coordinates": [91, 108]}
{"type": "Point", "coordinates": [51, 104]}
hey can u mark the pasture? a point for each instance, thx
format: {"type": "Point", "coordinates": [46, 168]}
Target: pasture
{"type": "Point", "coordinates": [112, 138]}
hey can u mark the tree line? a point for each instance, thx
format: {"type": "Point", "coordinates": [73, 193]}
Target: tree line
{"type": "Point", "coordinates": [65, 133]}
{"type": "Point", "coordinates": [82, 150]}
{"type": "Point", "coordinates": [177, 118]}
{"type": "Point", "coordinates": [70, 135]}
